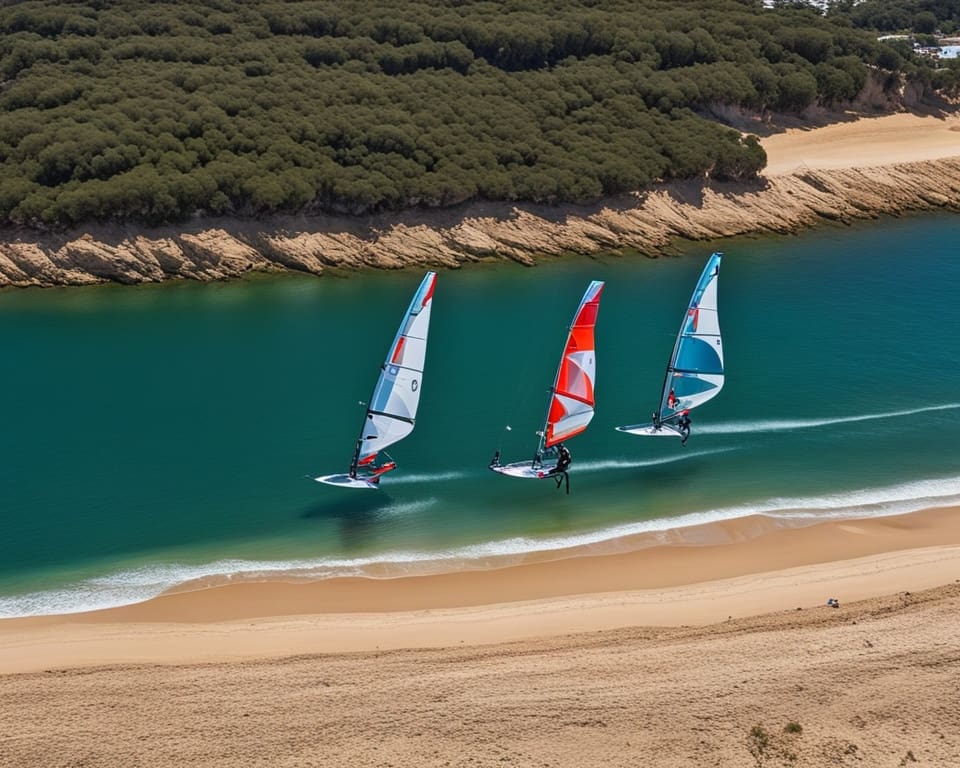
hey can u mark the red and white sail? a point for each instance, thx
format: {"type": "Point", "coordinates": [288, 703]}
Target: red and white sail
{"type": "Point", "coordinates": [572, 401]}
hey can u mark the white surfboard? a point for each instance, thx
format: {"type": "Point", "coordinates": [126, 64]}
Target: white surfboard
{"type": "Point", "coordinates": [345, 481]}
{"type": "Point", "coordinates": [525, 469]}
{"type": "Point", "coordinates": [664, 430]}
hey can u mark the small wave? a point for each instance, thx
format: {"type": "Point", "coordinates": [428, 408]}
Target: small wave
{"type": "Point", "coordinates": [597, 466]}
{"type": "Point", "coordinates": [779, 425]}
{"type": "Point", "coordinates": [141, 584]}
{"type": "Point", "coordinates": [871, 502]}
{"type": "Point", "coordinates": [867, 502]}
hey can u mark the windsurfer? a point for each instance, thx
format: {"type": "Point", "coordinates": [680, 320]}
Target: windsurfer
{"type": "Point", "coordinates": [683, 424]}
{"type": "Point", "coordinates": [563, 464]}
{"type": "Point", "coordinates": [563, 458]}
{"type": "Point", "coordinates": [382, 470]}
{"type": "Point", "coordinates": [672, 400]}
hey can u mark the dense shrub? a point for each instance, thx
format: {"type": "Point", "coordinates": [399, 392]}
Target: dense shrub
{"type": "Point", "coordinates": [157, 111]}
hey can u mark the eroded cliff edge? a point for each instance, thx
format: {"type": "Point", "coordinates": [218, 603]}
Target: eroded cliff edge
{"type": "Point", "coordinates": [647, 222]}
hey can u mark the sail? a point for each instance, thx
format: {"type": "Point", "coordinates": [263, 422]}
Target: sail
{"type": "Point", "coordinates": [695, 372]}
{"type": "Point", "coordinates": [572, 398]}
{"type": "Point", "coordinates": [393, 405]}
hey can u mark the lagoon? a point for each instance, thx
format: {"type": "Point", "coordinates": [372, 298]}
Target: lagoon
{"type": "Point", "coordinates": [161, 433]}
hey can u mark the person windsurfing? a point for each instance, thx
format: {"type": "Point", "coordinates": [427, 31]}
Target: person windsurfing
{"type": "Point", "coordinates": [378, 472]}
{"type": "Point", "coordinates": [563, 464]}
{"type": "Point", "coordinates": [683, 424]}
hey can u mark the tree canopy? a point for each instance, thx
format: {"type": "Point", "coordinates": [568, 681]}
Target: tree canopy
{"type": "Point", "coordinates": [922, 16]}
{"type": "Point", "coordinates": [158, 111]}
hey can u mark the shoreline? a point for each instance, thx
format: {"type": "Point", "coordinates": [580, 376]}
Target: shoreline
{"type": "Point", "coordinates": [842, 172]}
{"type": "Point", "coordinates": [745, 567]}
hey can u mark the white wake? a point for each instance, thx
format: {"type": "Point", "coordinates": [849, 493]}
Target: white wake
{"type": "Point", "coordinates": [781, 425]}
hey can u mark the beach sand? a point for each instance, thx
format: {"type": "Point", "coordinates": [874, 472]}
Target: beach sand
{"type": "Point", "coordinates": [710, 645]}
{"type": "Point", "coordinates": [665, 655]}
{"type": "Point", "coordinates": [888, 140]}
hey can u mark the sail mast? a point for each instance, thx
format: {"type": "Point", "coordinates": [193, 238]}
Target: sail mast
{"type": "Point", "coordinates": [667, 378]}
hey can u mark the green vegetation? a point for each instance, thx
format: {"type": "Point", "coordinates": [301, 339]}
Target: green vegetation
{"type": "Point", "coordinates": [157, 111]}
{"type": "Point", "coordinates": [758, 744]}
{"type": "Point", "coordinates": [921, 16]}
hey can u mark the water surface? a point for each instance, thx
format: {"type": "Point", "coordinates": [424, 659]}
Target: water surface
{"type": "Point", "coordinates": [159, 433]}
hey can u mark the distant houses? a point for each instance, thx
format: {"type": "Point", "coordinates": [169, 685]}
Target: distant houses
{"type": "Point", "coordinates": [945, 48]}
{"type": "Point", "coordinates": [823, 5]}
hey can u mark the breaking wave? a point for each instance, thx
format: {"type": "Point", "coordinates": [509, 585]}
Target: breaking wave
{"type": "Point", "coordinates": [141, 584]}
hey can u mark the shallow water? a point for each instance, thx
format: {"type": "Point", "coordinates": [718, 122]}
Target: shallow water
{"type": "Point", "coordinates": [160, 433]}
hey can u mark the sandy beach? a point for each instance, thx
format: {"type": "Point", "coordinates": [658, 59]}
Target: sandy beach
{"type": "Point", "coordinates": [701, 653]}
{"type": "Point", "coordinates": [694, 576]}
{"type": "Point", "coordinates": [899, 138]}
{"type": "Point", "coordinates": [707, 645]}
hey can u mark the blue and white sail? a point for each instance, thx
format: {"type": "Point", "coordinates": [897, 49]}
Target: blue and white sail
{"type": "Point", "coordinates": [392, 411]}
{"type": "Point", "coordinates": [695, 372]}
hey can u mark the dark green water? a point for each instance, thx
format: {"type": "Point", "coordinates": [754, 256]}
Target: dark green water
{"type": "Point", "coordinates": [156, 434]}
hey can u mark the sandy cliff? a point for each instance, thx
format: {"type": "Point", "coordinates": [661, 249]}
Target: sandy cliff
{"type": "Point", "coordinates": [844, 172]}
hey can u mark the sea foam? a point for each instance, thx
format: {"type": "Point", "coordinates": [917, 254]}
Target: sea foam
{"type": "Point", "coordinates": [140, 584]}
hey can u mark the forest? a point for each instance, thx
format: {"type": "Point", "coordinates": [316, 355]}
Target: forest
{"type": "Point", "coordinates": [154, 112]}
{"type": "Point", "coordinates": [920, 16]}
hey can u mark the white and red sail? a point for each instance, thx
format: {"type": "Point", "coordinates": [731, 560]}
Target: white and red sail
{"type": "Point", "coordinates": [572, 401]}
{"type": "Point", "coordinates": [392, 411]}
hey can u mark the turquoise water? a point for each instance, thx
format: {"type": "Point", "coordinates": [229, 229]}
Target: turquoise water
{"type": "Point", "coordinates": [161, 433]}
